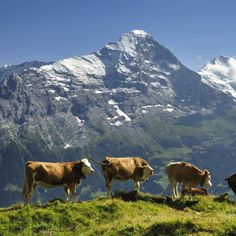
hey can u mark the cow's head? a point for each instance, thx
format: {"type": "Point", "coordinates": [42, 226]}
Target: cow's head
{"type": "Point", "coordinates": [207, 179]}
{"type": "Point", "coordinates": [147, 171]}
{"type": "Point", "coordinates": [85, 167]}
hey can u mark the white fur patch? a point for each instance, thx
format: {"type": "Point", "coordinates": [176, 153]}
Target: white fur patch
{"type": "Point", "coordinates": [86, 162]}
{"type": "Point", "coordinates": [208, 181]}
{"type": "Point", "coordinates": [87, 168]}
{"type": "Point", "coordinates": [147, 172]}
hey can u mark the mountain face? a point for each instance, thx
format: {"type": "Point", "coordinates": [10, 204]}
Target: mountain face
{"type": "Point", "coordinates": [220, 74]}
{"type": "Point", "coordinates": [121, 100]}
{"type": "Point", "coordinates": [115, 86]}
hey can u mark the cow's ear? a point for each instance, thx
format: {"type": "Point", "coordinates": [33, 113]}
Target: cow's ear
{"type": "Point", "coordinates": [206, 172]}
{"type": "Point", "coordinates": [78, 164]}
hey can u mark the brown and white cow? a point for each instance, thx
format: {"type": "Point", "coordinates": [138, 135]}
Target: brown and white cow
{"type": "Point", "coordinates": [195, 191]}
{"type": "Point", "coordinates": [125, 168]}
{"type": "Point", "coordinates": [232, 182]}
{"type": "Point", "coordinates": [187, 174]}
{"type": "Point", "coordinates": [47, 174]}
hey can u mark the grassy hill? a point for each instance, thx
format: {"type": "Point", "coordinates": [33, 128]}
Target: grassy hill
{"type": "Point", "coordinates": [144, 215]}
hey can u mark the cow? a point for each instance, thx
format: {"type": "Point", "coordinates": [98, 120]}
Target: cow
{"type": "Point", "coordinates": [187, 174]}
{"type": "Point", "coordinates": [125, 168]}
{"type": "Point", "coordinates": [195, 191]}
{"type": "Point", "coordinates": [47, 174]}
{"type": "Point", "coordinates": [232, 182]}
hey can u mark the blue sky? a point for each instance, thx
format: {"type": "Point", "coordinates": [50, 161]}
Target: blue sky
{"type": "Point", "coordinates": [196, 31]}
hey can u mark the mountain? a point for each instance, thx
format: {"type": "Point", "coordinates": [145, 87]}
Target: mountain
{"type": "Point", "coordinates": [114, 86]}
{"type": "Point", "coordinates": [220, 74]}
{"type": "Point", "coordinates": [132, 97]}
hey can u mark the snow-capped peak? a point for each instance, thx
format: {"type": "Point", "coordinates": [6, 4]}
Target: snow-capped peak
{"type": "Point", "coordinates": [139, 33]}
{"type": "Point", "coordinates": [221, 73]}
{"type": "Point", "coordinates": [224, 67]}
{"type": "Point", "coordinates": [128, 42]}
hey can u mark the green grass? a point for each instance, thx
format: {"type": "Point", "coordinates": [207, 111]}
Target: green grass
{"type": "Point", "coordinates": [145, 215]}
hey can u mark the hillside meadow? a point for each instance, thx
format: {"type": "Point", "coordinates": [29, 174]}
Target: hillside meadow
{"type": "Point", "coordinates": [142, 214]}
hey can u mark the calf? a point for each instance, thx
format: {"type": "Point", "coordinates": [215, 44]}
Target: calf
{"type": "Point", "coordinates": [66, 174]}
{"type": "Point", "coordinates": [187, 174]}
{"type": "Point", "coordinates": [125, 168]}
{"type": "Point", "coordinates": [195, 191]}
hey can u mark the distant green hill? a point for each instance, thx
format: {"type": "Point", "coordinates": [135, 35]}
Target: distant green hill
{"type": "Point", "coordinates": [144, 216]}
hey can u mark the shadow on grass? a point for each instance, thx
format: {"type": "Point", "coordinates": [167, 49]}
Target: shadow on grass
{"type": "Point", "coordinates": [135, 196]}
{"type": "Point", "coordinates": [178, 204]}
{"type": "Point", "coordinates": [182, 203]}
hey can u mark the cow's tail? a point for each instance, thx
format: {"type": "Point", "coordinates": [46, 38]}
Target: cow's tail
{"type": "Point", "coordinates": [25, 187]}
{"type": "Point", "coordinates": [26, 183]}
{"type": "Point", "coordinates": [169, 169]}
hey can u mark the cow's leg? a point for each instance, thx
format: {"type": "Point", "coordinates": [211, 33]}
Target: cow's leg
{"type": "Point", "coordinates": [67, 192]}
{"type": "Point", "coordinates": [189, 191]}
{"type": "Point", "coordinates": [73, 191]}
{"type": "Point", "coordinates": [188, 188]}
{"type": "Point", "coordinates": [175, 188]}
{"type": "Point", "coordinates": [28, 189]}
{"type": "Point", "coordinates": [25, 191]}
{"type": "Point", "coordinates": [136, 186]}
{"type": "Point", "coordinates": [109, 187]}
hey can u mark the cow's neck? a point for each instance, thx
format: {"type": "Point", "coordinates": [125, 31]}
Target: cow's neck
{"type": "Point", "coordinates": [83, 175]}
{"type": "Point", "coordinates": [203, 179]}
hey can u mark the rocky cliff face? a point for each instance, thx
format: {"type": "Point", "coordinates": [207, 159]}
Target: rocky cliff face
{"type": "Point", "coordinates": [70, 104]}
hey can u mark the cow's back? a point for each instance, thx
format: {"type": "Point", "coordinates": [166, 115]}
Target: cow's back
{"type": "Point", "coordinates": [122, 167]}
{"type": "Point", "coordinates": [49, 173]}
{"type": "Point", "coordinates": [180, 171]}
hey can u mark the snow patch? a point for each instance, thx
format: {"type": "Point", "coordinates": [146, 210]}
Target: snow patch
{"type": "Point", "coordinates": [117, 123]}
{"type": "Point", "coordinates": [169, 109]}
{"type": "Point", "coordinates": [115, 120]}
{"type": "Point", "coordinates": [112, 102]}
{"type": "Point", "coordinates": [140, 33]}
{"type": "Point", "coordinates": [155, 84]}
{"type": "Point", "coordinates": [80, 122]}
{"type": "Point", "coordinates": [121, 113]}
{"type": "Point", "coordinates": [67, 146]}
{"type": "Point", "coordinates": [174, 66]}
{"type": "Point", "coordinates": [60, 98]}
{"type": "Point", "coordinates": [101, 91]}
